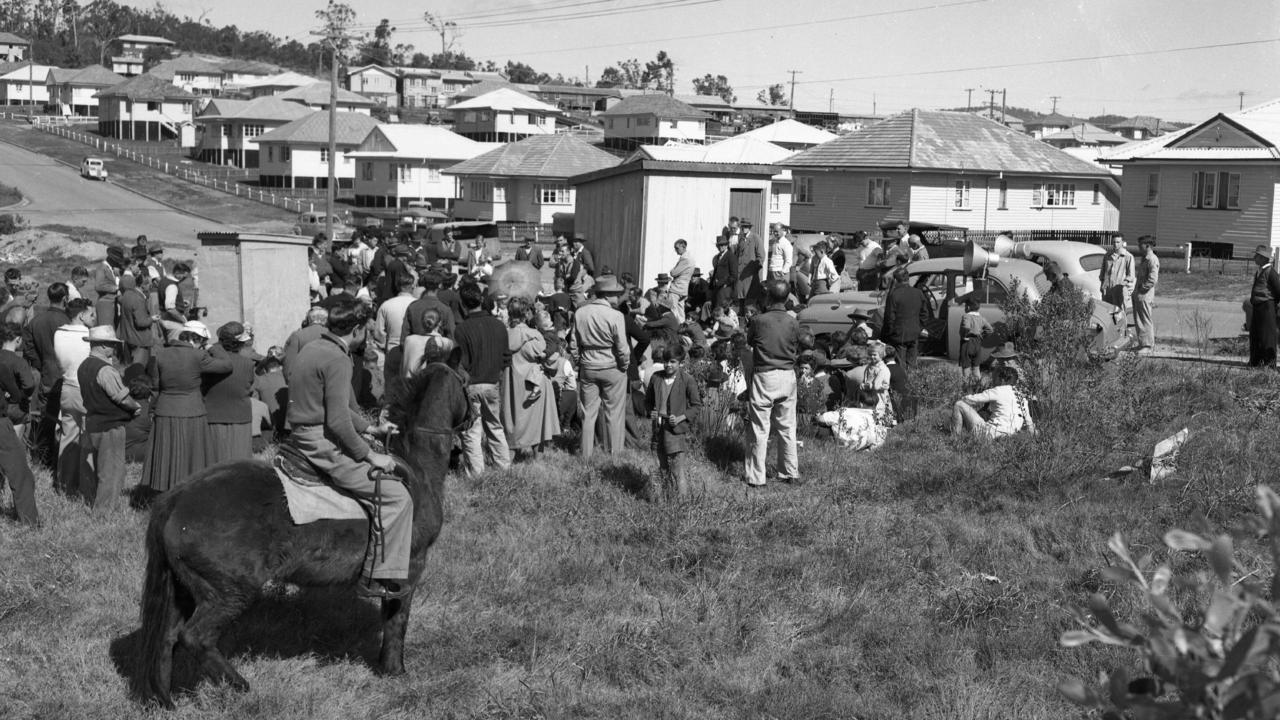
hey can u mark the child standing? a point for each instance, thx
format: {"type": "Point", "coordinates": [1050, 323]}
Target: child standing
{"type": "Point", "coordinates": [671, 396]}
{"type": "Point", "coordinates": [972, 329]}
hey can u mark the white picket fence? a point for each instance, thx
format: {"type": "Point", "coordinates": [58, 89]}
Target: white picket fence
{"type": "Point", "coordinates": [179, 169]}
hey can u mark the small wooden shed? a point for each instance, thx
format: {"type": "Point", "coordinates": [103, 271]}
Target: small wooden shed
{"type": "Point", "coordinates": [632, 214]}
{"type": "Point", "coordinates": [257, 278]}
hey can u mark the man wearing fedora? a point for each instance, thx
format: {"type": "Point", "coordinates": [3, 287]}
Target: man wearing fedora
{"type": "Point", "coordinates": [598, 343]}
{"type": "Point", "coordinates": [724, 273]}
{"type": "Point", "coordinates": [106, 283]}
{"type": "Point", "coordinates": [681, 274]}
{"type": "Point", "coordinates": [135, 321]}
{"type": "Point", "coordinates": [1262, 300]}
{"type": "Point", "coordinates": [751, 259]}
{"type": "Point", "coordinates": [108, 408]}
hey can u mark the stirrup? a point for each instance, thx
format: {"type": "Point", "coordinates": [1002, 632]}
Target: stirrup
{"type": "Point", "coordinates": [372, 589]}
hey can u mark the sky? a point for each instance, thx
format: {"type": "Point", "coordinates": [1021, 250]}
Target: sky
{"type": "Point", "coordinates": [1175, 59]}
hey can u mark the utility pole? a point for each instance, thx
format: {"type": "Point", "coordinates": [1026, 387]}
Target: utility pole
{"type": "Point", "coordinates": [991, 103]}
{"type": "Point", "coordinates": [1241, 94]}
{"type": "Point", "coordinates": [831, 101]}
{"type": "Point", "coordinates": [1003, 103]}
{"type": "Point", "coordinates": [1055, 102]}
{"type": "Point", "coordinates": [332, 35]}
{"type": "Point", "coordinates": [968, 101]}
{"type": "Point", "coordinates": [792, 101]}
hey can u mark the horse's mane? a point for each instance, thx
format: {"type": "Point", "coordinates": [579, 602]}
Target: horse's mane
{"type": "Point", "coordinates": [405, 396]}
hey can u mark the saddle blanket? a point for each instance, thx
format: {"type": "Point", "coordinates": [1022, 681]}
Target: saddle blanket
{"type": "Point", "coordinates": [309, 502]}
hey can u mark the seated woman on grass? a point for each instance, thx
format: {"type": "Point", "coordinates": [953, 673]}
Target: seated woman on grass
{"type": "Point", "coordinates": [856, 428]}
{"type": "Point", "coordinates": [1007, 409]}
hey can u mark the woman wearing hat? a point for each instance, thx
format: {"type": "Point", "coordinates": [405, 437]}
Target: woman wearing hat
{"type": "Point", "coordinates": [179, 444]}
{"type": "Point", "coordinates": [226, 398]}
{"type": "Point", "coordinates": [529, 412]}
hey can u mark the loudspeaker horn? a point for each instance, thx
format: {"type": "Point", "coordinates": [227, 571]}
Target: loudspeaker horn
{"type": "Point", "coordinates": [977, 259]}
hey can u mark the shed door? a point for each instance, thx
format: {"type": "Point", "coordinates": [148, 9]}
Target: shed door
{"type": "Point", "coordinates": [748, 205]}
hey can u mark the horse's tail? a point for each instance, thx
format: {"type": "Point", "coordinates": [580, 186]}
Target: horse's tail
{"type": "Point", "coordinates": [160, 618]}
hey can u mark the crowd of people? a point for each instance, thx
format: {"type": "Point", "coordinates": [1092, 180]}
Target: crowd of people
{"type": "Point", "coordinates": [594, 360]}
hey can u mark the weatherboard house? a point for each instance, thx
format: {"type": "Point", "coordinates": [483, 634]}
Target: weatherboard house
{"type": "Point", "coordinates": [1215, 185]}
{"type": "Point", "coordinates": [74, 91]}
{"type": "Point", "coordinates": [146, 108]}
{"type": "Point", "coordinates": [504, 115]}
{"type": "Point", "coordinates": [296, 154]}
{"type": "Point", "coordinates": [13, 48]}
{"type": "Point", "coordinates": [652, 119]}
{"type": "Point", "coordinates": [949, 168]}
{"type": "Point", "coordinates": [526, 181]}
{"type": "Point", "coordinates": [398, 164]}
{"type": "Point", "coordinates": [231, 128]}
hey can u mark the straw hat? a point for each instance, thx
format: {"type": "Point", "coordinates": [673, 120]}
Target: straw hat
{"type": "Point", "coordinates": [197, 327]}
{"type": "Point", "coordinates": [1006, 352]}
{"type": "Point", "coordinates": [609, 285]}
{"type": "Point", "coordinates": [103, 334]}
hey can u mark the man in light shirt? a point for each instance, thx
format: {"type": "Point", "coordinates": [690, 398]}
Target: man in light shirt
{"type": "Point", "coordinates": [388, 326]}
{"type": "Point", "coordinates": [781, 255]}
{"type": "Point", "coordinates": [681, 274]}
{"type": "Point", "coordinates": [70, 349]}
{"type": "Point", "coordinates": [598, 342]}
{"type": "Point", "coordinates": [869, 252]}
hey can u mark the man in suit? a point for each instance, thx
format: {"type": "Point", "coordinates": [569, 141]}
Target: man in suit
{"type": "Point", "coordinates": [1262, 321]}
{"type": "Point", "coordinates": [905, 315]}
{"type": "Point", "coordinates": [135, 321]}
{"type": "Point", "coordinates": [751, 258]}
{"type": "Point", "coordinates": [530, 254]}
{"type": "Point", "coordinates": [699, 290]}
{"type": "Point", "coordinates": [106, 282]}
{"type": "Point", "coordinates": [724, 273]}
{"type": "Point", "coordinates": [581, 272]}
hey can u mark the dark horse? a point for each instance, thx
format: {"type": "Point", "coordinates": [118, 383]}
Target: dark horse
{"type": "Point", "coordinates": [214, 542]}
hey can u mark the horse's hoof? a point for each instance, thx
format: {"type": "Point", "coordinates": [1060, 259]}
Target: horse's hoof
{"type": "Point", "coordinates": [392, 671]}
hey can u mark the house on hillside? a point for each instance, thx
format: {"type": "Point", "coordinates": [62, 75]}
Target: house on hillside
{"type": "Point", "coordinates": [483, 87]}
{"type": "Point", "coordinates": [74, 91]}
{"type": "Point", "coordinates": [652, 119]}
{"type": "Point", "coordinates": [720, 112]}
{"type": "Point", "coordinates": [505, 115]}
{"type": "Point", "coordinates": [296, 154]}
{"type": "Point", "coordinates": [133, 48]}
{"type": "Point", "coordinates": [25, 84]}
{"type": "Point", "coordinates": [316, 97]}
{"type": "Point", "coordinates": [228, 130]}
{"type": "Point", "coordinates": [950, 168]}
{"type": "Point", "coordinates": [146, 108]}
{"type": "Point", "coordinates": [377, 83]}
{"type": "Point", "coordinates": [525, 181]}
{"type": "Point", "coordinates": [398, 164]}
{"type": "Point", "coordinates": [278, 84]}
{"type": "Point", "coordinates": [1214, 184]}
{"type": "Point", "coordinates": [420, 87]}
{"type": "Point", "coordinates": [1139, 127]}
{"type": "Point", "coordinates": [196, 76]}
{"type": "Point", "coordinates": [738, 150]}
{"type": "Point", "coordinates": [631, 214]}
{"type": "Point", "coordinates": [13, 48]}
{"type": "Point", "coordinates": [236, 74]}
{"type": "Point", "coordinates": [582, 101]}
{"type": "Point", "coordinates": [1083, 135]}
{"type": "Point", "coordinates": [791, 134]}
{"type": "Point", "coordinates": [1048, 124]}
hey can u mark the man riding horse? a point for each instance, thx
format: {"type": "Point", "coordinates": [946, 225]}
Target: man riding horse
{"type": "Point", "coordinates": [327, 433]}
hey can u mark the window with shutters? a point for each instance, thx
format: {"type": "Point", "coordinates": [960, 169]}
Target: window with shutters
{"type": "Point", "coordinates": [1215, 190]}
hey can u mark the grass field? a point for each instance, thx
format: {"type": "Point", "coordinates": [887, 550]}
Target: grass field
{"type": "Point", "coordinates": [929, 579]}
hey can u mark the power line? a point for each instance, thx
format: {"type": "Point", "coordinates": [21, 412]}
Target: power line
{"type": "Point", "coordinates": [701, 35]}
{"type": "Point", "coordinates": [1034, 63]}
{"type": "Point", "coordinates": [522, 12]}
{"type": "Point", "coordinates": [579, 15]}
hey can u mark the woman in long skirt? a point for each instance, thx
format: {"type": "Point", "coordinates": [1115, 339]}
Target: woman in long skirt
{"type": "Point", "coordinates": [529, 412]}
{"type": "Point", "coordinates": [179, 444]}
{"type": "Point", "coordinates": [226, 398]}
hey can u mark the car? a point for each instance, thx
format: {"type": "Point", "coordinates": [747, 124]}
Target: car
{"type": "Point", "coordinates": [939, 239]}
{"type": "Point", "coordinates": [417, 221]}
{"type": "Point", "coordinates": [947, 282]}
{"type": "Point", "coordinates": [1079, 261]}
{"type": "Point", "coordinates": [313, 223]}
{"type": "Point", "coordinates": [93, 168]}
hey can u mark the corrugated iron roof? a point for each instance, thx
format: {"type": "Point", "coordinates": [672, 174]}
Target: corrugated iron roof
{"type": "Point", "coordinates": [21, 71]}
{"type": "Point", "coordinates": [352, 128]}
{"type": "Point", "coordinates": [185, 64]}
{"type": "Point", "coordinates": [269, 108]}
{"type": "Point", "coordinates": [1086, 133]}
{"type": "Point", "coordinates": [284, 79]}
{"type": "Point", "coordinates": [939, 140]}
{"type": "Point", "coordinates": [419, 142]}
{"type": "Point", "coordinates": [677, 168]}
{"type": "Point", "coordinates": [249, 67]}
{"type": "Point", "coordinates": [1140, 122]}
{"type": "Point", "coordinates": [11, 39]}
{"type": "Point", "coordinates": [153, 39]}
{"type": "Point", "coordinates": [663, 106]}
{"type": "Point", "coordinates": [506, 99]}
{"type": "Point", "coordinates": [792, 132]}
{"type": "Point", "coordinates": [741, 149]}
{"type": "Point", "coordinates": [317, 93]}
{"type": "Point", "coordinates": [542, 156]}
{"type": "Point", "coordinates": [705, 101]}
{"type": "Point", "coordinates": [1260, 122]}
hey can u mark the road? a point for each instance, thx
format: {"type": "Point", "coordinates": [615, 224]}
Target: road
{"type": "Point", "coordinates": [56, 194]}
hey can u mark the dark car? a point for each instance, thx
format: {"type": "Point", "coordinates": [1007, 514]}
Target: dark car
{"type": "Point", "coordinates": [940, 240]}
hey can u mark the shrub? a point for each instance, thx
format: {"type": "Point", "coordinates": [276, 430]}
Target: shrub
{"type": "Point", "coordinates": [9, 195]}
{"type": "Point", "coordinates": [11, 223]}
{"type": "Point", "coordinates": [1213, 660]}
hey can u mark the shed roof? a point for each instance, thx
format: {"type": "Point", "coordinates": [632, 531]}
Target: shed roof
{"type": "Point", "coordinates": [663, 106]}
{"type": "Point", "coordinates": [668, 167]}
{"type": "Point", "coordinates": [146, 87]}
{"type": "Point", "coordinates": [544, 156]}
{"type": "Point", "coordinates": [351, 129]}
{"type": "Point", "coordinates": [317, 93]}
{"type": "Point", "coordinates": [939, 140]}
{"type": "Point", "coordinates": [419, 142]}
{"type": "Point", "coordinates": [505, 99]}
{"type": "Point", "coordinates": [792, 132]}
